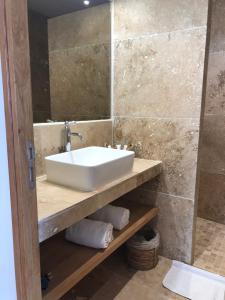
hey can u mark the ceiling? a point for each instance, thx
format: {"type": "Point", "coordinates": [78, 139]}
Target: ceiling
{"type": "Point", "coordinates": [54, 8]}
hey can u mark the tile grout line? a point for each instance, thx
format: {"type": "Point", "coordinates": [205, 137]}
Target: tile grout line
{"type": "Point", "coordinates": [166, 194]}
{"type": "Point", "coordinates": [211, 52]}
{"type": "Point", "coordinates": [149, 35]}
{"type": "Point", "coordinates": [80, 47]}
{"type": "Point", "coordinates": [160, 118]}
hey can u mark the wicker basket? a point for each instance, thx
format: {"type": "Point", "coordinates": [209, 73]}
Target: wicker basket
{"type": "Point", "coordinates": [142, 250]}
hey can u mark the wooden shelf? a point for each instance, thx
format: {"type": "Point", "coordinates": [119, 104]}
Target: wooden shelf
{"type": "Point", "coordinates": [69, 263]}
{"type": "Point", "coordinates": [59, 207]}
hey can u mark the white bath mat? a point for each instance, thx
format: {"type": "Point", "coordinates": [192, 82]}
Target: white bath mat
{"type": "Point", "coordinates": [194, 283]}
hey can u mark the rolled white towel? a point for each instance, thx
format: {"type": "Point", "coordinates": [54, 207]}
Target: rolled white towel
{"type": "Point", "coordinates": [90, 233]}
{"type": "Point", "coordinates": [117, 216]}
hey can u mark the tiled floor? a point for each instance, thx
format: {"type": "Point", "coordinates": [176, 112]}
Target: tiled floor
{"type": "Point", "coordinates": [114, 280]}
{"type": "Point", "coordinates": [210, 246]}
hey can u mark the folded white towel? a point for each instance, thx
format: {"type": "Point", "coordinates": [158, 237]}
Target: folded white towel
{"type": "Point", "coordinates": [117, 216]}
{"type": "Point", "coordinates": [90, 233]}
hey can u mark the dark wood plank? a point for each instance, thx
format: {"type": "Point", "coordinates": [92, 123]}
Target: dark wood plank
{"type": "Point", "coordinates": [69, 263]}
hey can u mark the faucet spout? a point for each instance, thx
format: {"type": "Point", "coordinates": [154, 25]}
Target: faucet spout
{"type": "Point", "coordinates": [69, 134]}
{"type": "Point", "coordinates": [78, 135]}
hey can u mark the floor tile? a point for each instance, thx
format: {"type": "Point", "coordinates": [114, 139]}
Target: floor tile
{"type": "Point", "coordinates": [210, 246]}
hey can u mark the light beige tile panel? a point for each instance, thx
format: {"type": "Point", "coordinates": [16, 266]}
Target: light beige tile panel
{"type": "Point", "coordinates": [174, 141]}
{"type": "Point", "coordinates": [80, 82]}
{"type": "Point", "coordinates": [135, 18]}
{"type": "Point", "coordinates": [175, 222]}
{"type": "Point", "coordinates": [160, 76]}
{"type": "Point", "coordinates": [84, 27]}
{"type": "Point", "coordinates": [48, 138]}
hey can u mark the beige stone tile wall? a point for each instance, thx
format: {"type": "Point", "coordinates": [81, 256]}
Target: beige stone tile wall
{"type": "Point", "coordinates": [79, 63]}
{"type": "Point", "coordinates": [157, 69]}
{"type": "Point", "coordinates": [175, 221]}
{"type": "Point", "coordinates": [159, 51]}
{"type": "Point", "coordinates": [212, 177]}
{"type": "Point", "coordinates": [217, 42]}
{"type": "Point", "coordinates": [49, 138]}
{"type": "Point", "coordinates": [39, 65]}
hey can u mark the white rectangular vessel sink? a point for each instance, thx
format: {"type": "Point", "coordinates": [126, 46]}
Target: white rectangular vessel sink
{"type": "Point", "coordinates": [88, 168]}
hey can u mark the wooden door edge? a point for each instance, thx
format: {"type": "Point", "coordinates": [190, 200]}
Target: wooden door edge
{"type": "Point", "coordinates": [14, 50]}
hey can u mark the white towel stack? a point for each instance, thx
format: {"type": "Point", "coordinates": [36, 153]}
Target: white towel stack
{"type": "Point", "coordinates": [90, 233]}
{"type": "Point", "coordinates": [117, 216]}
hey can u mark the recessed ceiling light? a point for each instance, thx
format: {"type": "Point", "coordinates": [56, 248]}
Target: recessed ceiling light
{"type": "Point", "coordinates": [86, 2]}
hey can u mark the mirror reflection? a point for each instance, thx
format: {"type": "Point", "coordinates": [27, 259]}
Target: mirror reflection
{"type": "Point", "coordinates": [70, 49]}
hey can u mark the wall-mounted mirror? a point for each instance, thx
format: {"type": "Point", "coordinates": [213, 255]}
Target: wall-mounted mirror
{"type": "Point", "coordinates": [70, 49]}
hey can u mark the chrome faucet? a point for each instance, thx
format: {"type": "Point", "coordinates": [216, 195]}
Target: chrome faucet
{"type": "Point", "coordinates": [69, 134]}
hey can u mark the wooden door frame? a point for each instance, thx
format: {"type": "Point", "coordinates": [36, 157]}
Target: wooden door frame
{"type": "Point", "coordinates": [15, 59]}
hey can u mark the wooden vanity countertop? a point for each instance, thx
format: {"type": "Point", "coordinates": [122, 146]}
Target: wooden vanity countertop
{"type": "Point", "coordinates": [59, 207]}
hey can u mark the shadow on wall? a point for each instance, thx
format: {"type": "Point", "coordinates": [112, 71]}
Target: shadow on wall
{"type": "Point", "coordinates": [212, 159]}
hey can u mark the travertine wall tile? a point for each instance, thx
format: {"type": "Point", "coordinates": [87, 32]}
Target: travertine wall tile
{"type": "Point", "coordinates": [39, 63]}
{"type": "Point", "coordinates": [175, 225]}
{"type": "Point", "coordinates": [85, 27]}
{"type": "Point", "coordinates": [161, 77]}
{"type": "Point", "coordinates": [49, 138]}
{"type": "Point", "coordinates": [174, 142]}
{"type": "Point", "coordinates": [215, 91]}
{"type": "Point", "coordinates": [80, 83]}
{"type": "Point", "coordinates": [159, 52]}
{"type": "Point", "coordinates": [79, 62]}
{"type": "Point", "coordinates": [135, 18]}
{"type": "Point", "coordinates": [39, 162]}
{"type": "Point", "coordinates": [175, 222]}
{"type": "Point", "coordinates": [217, 36]}
{"type": "Point", "coordinates": [212, 197]}
{"type": "Point", "coordinates": [212, 158]}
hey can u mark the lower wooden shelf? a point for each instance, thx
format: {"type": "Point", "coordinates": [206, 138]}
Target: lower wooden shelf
{"type": "Point", "coordinates": [69, 263]}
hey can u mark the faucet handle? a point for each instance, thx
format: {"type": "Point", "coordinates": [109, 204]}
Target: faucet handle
{"type": "Point", "coordinates": [70, 122]}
